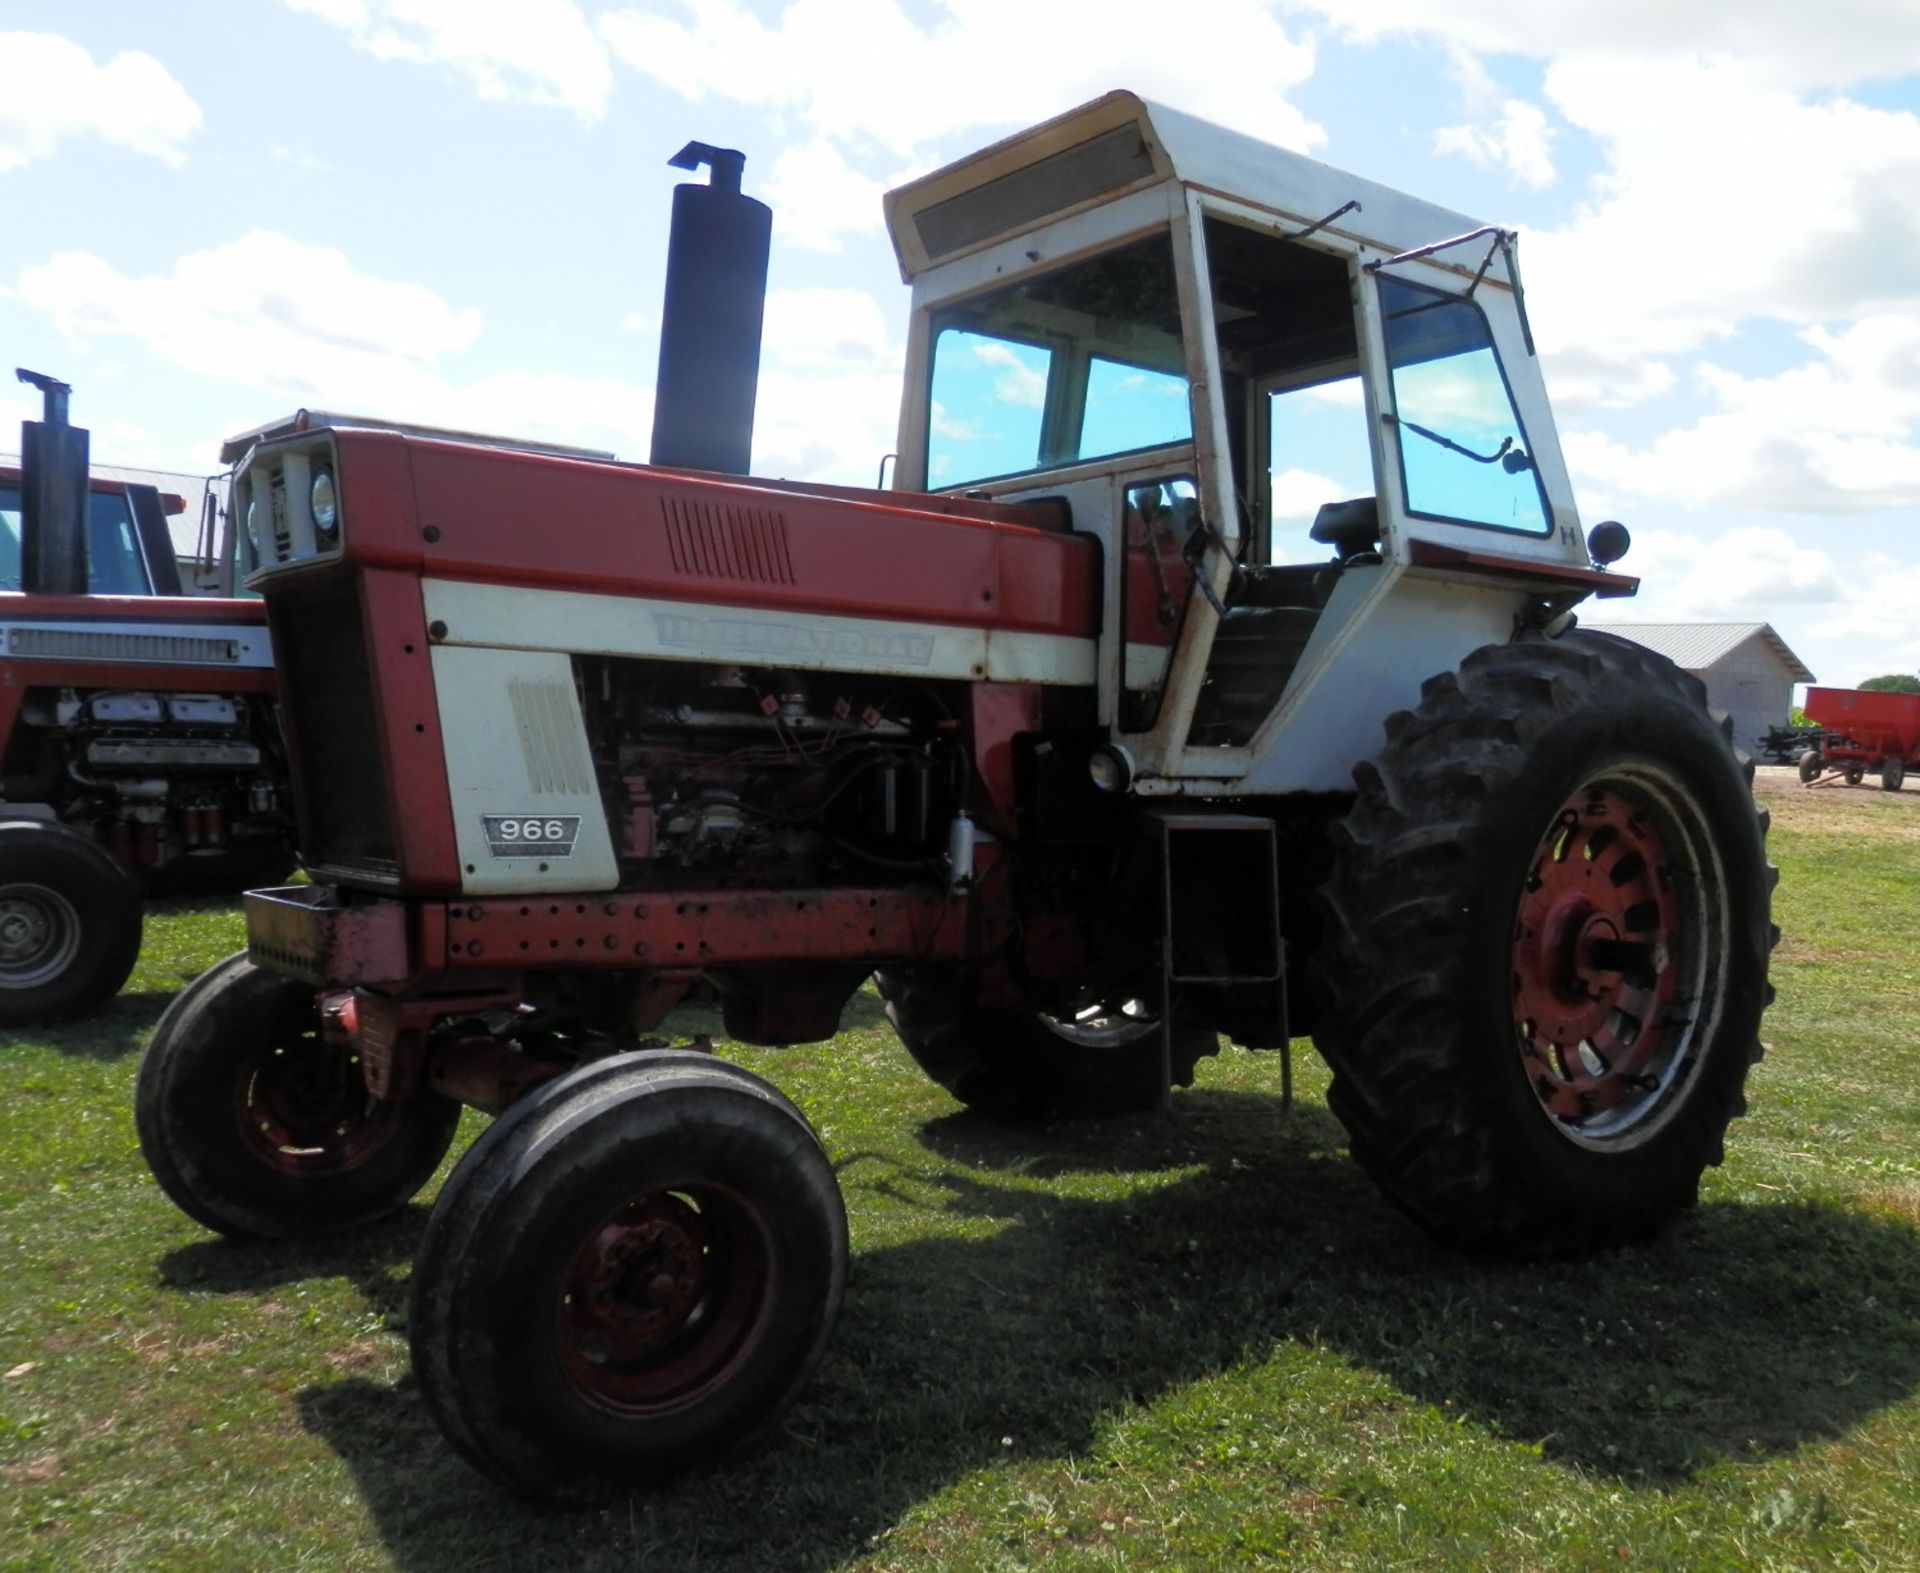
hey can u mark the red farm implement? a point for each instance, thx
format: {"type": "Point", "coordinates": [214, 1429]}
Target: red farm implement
{"type": "Point", "coordinates": [1861, 731]}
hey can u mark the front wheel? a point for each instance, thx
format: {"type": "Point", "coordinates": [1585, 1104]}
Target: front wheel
{"type": "Point", "coordinates": [69, 924]}
{"type": "Point", "coordinates": [1892, 774]}
{"type": "Point", "coordinates": [257, 1126]}
{"type": "Point", "coordinates": [1548, 948]}
{"type": "Point", "coordinates": [1811, 764]}
{"type": "Point", "coordinates": [630, 1274]}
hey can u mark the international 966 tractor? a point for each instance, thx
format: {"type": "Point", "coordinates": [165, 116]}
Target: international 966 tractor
{"type": "Point", "coordinates": [1210, 672]}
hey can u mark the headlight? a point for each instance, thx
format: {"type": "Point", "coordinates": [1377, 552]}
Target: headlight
{"type": "Point", "coordinates": [326, 506]}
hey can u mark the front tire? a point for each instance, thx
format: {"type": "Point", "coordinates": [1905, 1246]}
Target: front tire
{"type": "Point", "coordinates": [1811, 764]}
{"type": "Point", "coordinates": [1548, 945]}
{"type": "Point", "coordinates": [631, 1273]}
{"type": "Point", "coordinates": [258, 1127]}
{"type": "Point", "coordinates": [1893, 773]}
{"type": "Point", "coordinates": [69, 924]}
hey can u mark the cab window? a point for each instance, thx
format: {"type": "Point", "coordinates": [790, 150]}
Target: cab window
{"type": "Point", "coordinates": [1081, 363]}
{"type": "Point", "coordinates": [114, 563]}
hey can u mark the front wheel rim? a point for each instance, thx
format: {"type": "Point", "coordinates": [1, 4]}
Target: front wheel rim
{"type": "Point", "coordinates": [1619, 947]}
{"type": "Point", "coordinates": [304, 1111]}
{"type": "Point", "coordinates": [39, 935]}
{"type": "Point", "coordinates": [666, 1298]}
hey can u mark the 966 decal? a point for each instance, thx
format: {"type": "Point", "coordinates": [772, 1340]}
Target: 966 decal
{"type": "Point", "coordinates": [531, 835]}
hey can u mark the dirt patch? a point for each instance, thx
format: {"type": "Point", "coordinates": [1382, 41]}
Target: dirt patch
{"type": "Point", "coordinates": [1839, 809]}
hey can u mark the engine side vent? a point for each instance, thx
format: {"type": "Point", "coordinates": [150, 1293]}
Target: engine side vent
{"type": "Point", "coordinates": [78, 644]}
{"type": "Point", "coordinates": [544, 717]}
{"type": "Point", "coordinates": [720, 541]}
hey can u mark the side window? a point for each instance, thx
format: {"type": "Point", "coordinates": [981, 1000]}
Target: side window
{"type": "Point", "coordinates": [1463, 453]}
{"type": "Point", "coordinates": [1317, 453]}
{"type": "Point", "coordinates": [989, 406]}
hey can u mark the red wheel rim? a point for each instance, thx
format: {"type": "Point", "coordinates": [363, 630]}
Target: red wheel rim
{"type": "Point", "coordinates": [304, 1109]}
{"type": "Point", "coordinates": [1600, 950]}
{"type": "Point", "coordinates": [667, 1297]}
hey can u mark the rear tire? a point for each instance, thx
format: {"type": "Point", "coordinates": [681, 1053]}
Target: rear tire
{"type": "Point", "coordinates": [1547, 948]}
{"type": "Point", "coordinates": [1892, 773]}
{"type": "Point", "coordinates": [69, 924]}
{"type": "Point", "coordinates": [256, 1126]}
{"type": "Point", "coordinates": [632, 1273]}
{"type": "Point", "coordinates": [1024, 1065]}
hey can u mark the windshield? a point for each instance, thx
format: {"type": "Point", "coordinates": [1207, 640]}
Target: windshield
{"type": "Point", "coordinates": [114, 564]}
{"type": "Point", "coordinates": [1081, 363]}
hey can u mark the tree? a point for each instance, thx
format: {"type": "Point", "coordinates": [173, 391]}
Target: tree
{"type": "Point", "coordinates": [1893, 683]}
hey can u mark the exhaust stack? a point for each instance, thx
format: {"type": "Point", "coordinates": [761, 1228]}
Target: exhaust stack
{"type": "Point", "coordinates": [53, 495]}
{"type": "Point", "coordinates": [710, 321]}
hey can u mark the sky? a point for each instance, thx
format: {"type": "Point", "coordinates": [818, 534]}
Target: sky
{"type": "Point", "coordinates": [213, 212]}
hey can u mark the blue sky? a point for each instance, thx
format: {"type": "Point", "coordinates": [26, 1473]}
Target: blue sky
{"type": "Point", "coordinates": [453, 211]}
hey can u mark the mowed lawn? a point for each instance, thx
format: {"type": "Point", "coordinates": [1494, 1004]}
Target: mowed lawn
{"type": "Point", "coordinates": [1194, 1342]}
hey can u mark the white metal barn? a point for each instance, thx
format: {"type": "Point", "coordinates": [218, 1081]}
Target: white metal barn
{"type": "Point", "coordinates": [1747, 667]}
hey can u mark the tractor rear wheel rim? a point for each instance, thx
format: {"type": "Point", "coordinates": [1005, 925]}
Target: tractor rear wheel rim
{"type": "Point", "coordinates": [304, 1108]}
{"type": "Point", "coordinates": [1618, 922]}
{"type": "Point", "coordinates": [666, 1298]}
{"type": "Point", "coordinates": [39, 935]}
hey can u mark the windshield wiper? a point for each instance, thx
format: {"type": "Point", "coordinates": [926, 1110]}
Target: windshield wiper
{"type": "Point", "coordinates": [1503, 240]}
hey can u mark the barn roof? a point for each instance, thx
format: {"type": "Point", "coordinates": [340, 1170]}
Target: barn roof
{"type": "Point", "coordinates": [1696, 646]}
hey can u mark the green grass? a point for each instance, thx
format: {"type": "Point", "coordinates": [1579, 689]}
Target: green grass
{"type": "Point", "coordinates": [1198, 1342]}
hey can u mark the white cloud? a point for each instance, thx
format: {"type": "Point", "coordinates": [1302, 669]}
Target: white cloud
{"type": "Point", "coordinates": [1808, 46]}
{"type": "Point", "coordinates": [818, 198]}
{"type": "Point", "coordinates": [891, 94]}
{"type": "Point", "coordinates": [262, 308]}
{"type": "Point", "coordinates": [828, 329]}
{"type": "Point", "coordinates": [532, 51]}
{"type": "Point", "coordinates": [1518, 140]}
{"type": "Point", "coordinates": [1834, 435]}
{"type": "Point", "coordinates": [1019, 382]}
{"type": "Point", "coordinates": [56, 91]}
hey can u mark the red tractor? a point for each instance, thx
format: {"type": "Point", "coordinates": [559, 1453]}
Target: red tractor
{"type": "Point", "coordinates": [138, 750]}
{"type": "Point", "coordinates": [1211, 672]}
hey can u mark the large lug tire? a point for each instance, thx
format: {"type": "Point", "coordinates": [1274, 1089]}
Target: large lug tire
{"type": "Point", "coordinates": [1547, 948]}
{"type": "Point", "coordinates": [69, 924]}
{"type": "Point", "coordinates": [1811, 764]}
{"type": "Point", "coordinates": [633, 1272]}
{"type": "Point", "coordinates": [258, 1127]}
{"type": "Point", "coordinates": [1024, 1064]}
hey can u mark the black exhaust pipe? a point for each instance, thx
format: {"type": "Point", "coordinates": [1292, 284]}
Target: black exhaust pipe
{"type": "Point", "coordinates": [53, 495]}
{"type": "Point", "coordinates": [710, 321]}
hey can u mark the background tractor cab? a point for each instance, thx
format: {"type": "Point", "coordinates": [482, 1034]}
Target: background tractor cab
{"type": "Point", "coordinates": [1299, 410]}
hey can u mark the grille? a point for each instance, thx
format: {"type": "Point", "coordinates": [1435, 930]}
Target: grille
{"type": "Point", "coordinates": [720, 541]}
{"type": "Point", "coordinates": [86, 645]}
{"type": "Point", "coordinates": [327, 702]}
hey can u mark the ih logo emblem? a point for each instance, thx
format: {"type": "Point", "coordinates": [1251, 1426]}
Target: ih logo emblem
{"type": "Point", "coordinates": [531, 835]}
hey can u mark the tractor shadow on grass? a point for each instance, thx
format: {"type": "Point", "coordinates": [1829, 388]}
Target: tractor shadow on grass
{"type": "Point", "coordinates": [1745, 1331]}
{"type": "Point", "coordinates": [373, 1260]}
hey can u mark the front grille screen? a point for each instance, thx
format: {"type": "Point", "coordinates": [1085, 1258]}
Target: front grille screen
{"type": "Point", "coordinates": [327, 697]}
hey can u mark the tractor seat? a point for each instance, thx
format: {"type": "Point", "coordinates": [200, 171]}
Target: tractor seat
{"type": "Point", "coordinates": [1350, 527]}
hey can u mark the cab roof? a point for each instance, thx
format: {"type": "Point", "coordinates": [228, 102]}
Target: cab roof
{"type": "Point", "coordinates": [1121, 143]}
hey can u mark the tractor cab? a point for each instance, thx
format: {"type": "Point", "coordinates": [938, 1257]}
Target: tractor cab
{"type": "Point", "coordinates": [1300, 412]}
